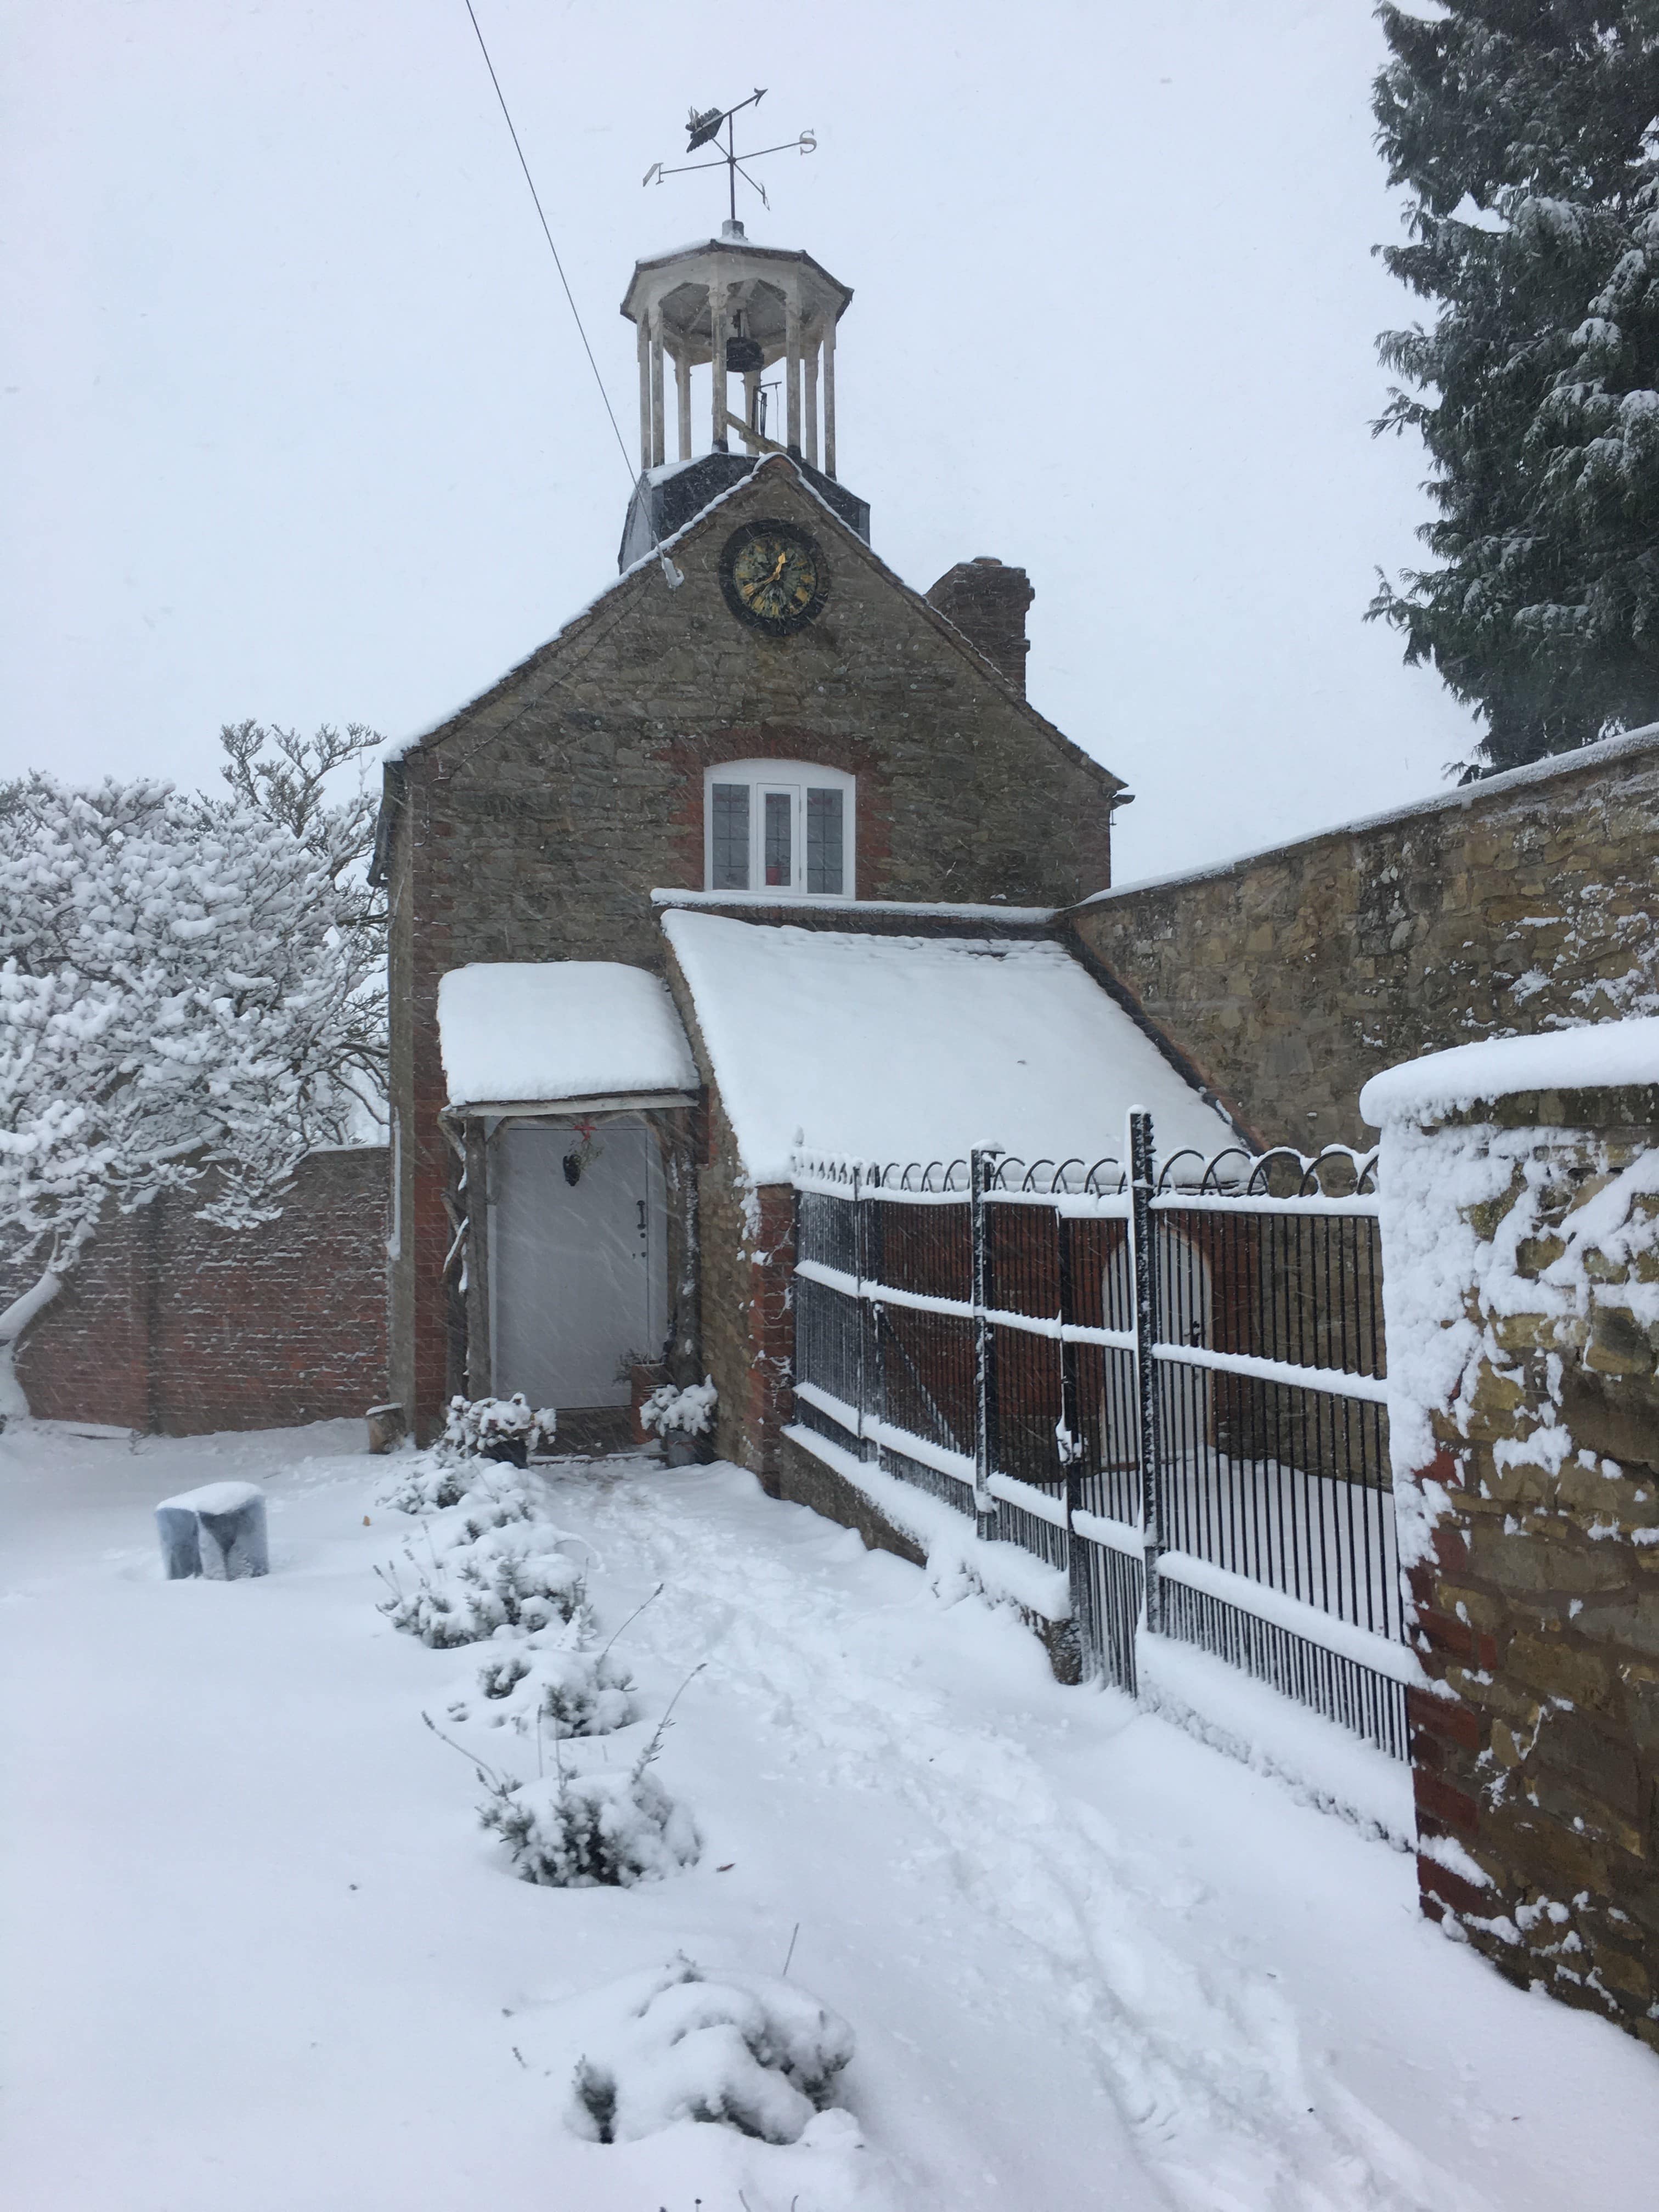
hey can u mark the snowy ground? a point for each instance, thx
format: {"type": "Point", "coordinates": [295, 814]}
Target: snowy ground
{"type": "Point", "coordinates": [260, 1955]}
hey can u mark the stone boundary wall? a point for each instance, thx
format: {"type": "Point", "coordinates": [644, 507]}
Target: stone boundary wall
{"type": "Point", "coordinates": [1290, 977]}
{"type": "Point", "coordinates": [1522, 1251]}
{"type": "Point", "coordinates": [174, 1327]}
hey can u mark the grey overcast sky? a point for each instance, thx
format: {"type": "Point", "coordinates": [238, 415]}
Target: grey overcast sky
{"type": "Point", "coordinates": [297, 425]}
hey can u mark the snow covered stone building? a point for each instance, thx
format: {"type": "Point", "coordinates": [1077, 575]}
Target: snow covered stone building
{"type": "Point", "coordinates": [762, 849]}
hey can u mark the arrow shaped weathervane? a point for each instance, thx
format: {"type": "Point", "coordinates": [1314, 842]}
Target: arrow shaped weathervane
{"type": "Point", "coordinates": [704, 128]}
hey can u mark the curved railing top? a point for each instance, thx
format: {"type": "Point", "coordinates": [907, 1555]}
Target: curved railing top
{"type": "Point", "coordinates": [1335, 1171]}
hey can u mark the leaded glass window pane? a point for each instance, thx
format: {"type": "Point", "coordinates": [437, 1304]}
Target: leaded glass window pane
{"type": "Point", "coordinates": [779, 859]}
{"type": "Point", "coordinates": [730, 837]}
{"type": "Point", "coordinates": [823, 842]}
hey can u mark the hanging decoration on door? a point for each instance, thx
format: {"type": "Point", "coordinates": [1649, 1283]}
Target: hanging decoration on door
{"type": "Point", "coordinates": [582, 1156]}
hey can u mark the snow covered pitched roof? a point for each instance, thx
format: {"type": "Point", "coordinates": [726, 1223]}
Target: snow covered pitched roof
{"type": "Point", "coordinates": [522, 1033]}
{"type": "Point", "coordinates": [919, 1047]}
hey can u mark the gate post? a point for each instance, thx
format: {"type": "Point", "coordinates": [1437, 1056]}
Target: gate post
{"type": "Point", "coordinates": [981, 1166]}
{"type": "Point", "coordinates": [1141, 1167]}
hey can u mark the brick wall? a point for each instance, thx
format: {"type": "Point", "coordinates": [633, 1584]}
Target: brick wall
{"type": "Point", "coordinates": [172, 1325]}
{"type": "Point", "coordinates": [534, 825]}
{"type": "Point", "coordinates": [1293, 976]}
{"type": "Point", "coordinates": [1531, 1533]}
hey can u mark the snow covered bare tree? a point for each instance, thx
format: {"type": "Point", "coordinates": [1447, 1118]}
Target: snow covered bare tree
{"type": "Point", "coordinates": [191, 997]}
{"type": "Point", "coordinates": [1526, 134]}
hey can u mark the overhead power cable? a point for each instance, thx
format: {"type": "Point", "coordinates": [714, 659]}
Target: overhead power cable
{"type": "Point", "coordinates": [547, 234]}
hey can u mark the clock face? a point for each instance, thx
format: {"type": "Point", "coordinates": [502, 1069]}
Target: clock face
{"type": "Point", "coordinates": [774, 576]}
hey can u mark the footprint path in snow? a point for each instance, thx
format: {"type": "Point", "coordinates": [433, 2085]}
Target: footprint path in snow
{"type": "Point", "coordinates": [1203, 2056]}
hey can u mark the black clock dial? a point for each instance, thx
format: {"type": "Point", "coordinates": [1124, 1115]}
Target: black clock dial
{"type": "Point", "coordinates": [774, 576]}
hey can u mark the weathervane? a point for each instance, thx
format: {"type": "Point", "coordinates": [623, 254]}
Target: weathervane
{"type": "Point", "coordinates": [704, 128]}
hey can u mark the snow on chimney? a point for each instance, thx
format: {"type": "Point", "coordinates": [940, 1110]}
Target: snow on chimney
{"type": "Point", "coordinates": [987, 602]}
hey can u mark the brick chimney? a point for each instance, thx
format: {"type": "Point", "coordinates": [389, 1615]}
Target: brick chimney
{"type": "Point", "coordinates": [987, 603]}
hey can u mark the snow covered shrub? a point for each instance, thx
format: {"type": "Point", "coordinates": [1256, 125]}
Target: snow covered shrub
{"type": "Point", "coordinates": [672, 1411]}
{"type": "Point", "coordinates": [426, 1485]}
{"type": "Point", "coordinates": [433, 1481]}
{"type": "Point", "coordinates": [552, 1690]}
{"type": "Point", "coordinates": [608, 1830]}
{"type": "Point", "coordinates": [741, 2049]}
{"type": "Point", "coordinates": [496, 1428]}
{"type": "Point", "coordinates": [474, 1590]}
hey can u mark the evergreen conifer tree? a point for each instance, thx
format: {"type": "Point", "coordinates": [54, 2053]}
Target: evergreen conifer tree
{"type": "Point", "coordinates": [1527, 133]}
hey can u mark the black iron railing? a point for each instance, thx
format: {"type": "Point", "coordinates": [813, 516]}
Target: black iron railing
{"type": "Point", "coordinates": [1025, 1341]}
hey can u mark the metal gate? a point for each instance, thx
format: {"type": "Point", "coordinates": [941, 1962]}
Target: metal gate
{"type": "Point", "coordinates": [1027, 1342]}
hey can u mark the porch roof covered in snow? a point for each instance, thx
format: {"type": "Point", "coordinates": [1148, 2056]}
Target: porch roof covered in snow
{"type": "Point", "coordinates": [525, 1034]}
{"type": "Point", "coordinates": [903, 1048]}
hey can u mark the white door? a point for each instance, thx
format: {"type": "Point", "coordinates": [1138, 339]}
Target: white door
{"type": "Point", "coordinates": [578, 1280]}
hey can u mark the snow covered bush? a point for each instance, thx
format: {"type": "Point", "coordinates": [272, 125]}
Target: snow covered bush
{"type": "Point", "coordinates": [428, 1484]}
{"type": "Point", "coordinates": [608, 1830]}
{"type": "Point", "coordinates": [669, 1411]}
{"type": "Point", "coordinates": [475, 1589]}
{"type": "Point", "coordinates": [505, 1428]}
{"type": "Point", "coordinates": [673, 2044]}
{"type": "Point", "coordinates": [551, 1689]}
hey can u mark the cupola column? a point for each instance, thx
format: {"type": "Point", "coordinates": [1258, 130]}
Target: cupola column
{"type": "Point", "coordinates": [829, 398]}
{"type": "Point", "coordinates": [791, 371]}
{"type": "Point", "coordinates": [659, 435]}
{"type": "Point", "coordinates": [645, 391]}
{"type": "Point", "coordinates": [683, 393]}
{"type": "Point", "coordinates": [812, 398]}
{"type": "Point", "coordinates": [717, 365]}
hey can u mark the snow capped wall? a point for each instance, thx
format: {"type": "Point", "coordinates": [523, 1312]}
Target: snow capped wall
{"type": "Point", "coordinates": [1520, 1218]}
{"type": "Point", "coordinates": [1526, 904]}
{"type": "Point", "coordinates": [519, 1031]}
{"type": "Point", "coordinates": [918, 1049]}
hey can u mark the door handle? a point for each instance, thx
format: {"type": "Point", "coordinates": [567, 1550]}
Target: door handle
{"type": "Point", "coordinates": [641, 1204]}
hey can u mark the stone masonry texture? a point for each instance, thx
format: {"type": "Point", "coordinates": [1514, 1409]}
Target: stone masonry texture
{"type": "Point", "coordinates": [174, 1327]}
{"type": "Point", "coordinates": [1290, 978]}
{"type": "Point", "coordinates": [1538, 1614]}
{"type": "Point", "coordinates": [987, 602]}
{"type": "Point", "coordinates": [534, 825]}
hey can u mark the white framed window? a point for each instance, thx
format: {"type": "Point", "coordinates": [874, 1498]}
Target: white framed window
{"type": "Point", "coordinates": [780, 826]}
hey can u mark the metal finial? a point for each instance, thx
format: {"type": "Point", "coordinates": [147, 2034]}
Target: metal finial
{"type": "Point", "coordinates": [703, 127]}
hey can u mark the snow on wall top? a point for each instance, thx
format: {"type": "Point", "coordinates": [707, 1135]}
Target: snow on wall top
{"type": "Point", "coordinates": [1599, 1053]}
{"type": "Point", "coordinates": [954, 910]}
{"type": "Point", "coordinates": [918, 1048]}
{"type": "Point", "coordinates": [1466, 795]}
{"type": "Point", "coordinates": [518, 1031]}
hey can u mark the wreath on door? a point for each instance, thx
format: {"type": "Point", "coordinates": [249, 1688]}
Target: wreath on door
{"type": "Point", "coordinates": [582, 1155]}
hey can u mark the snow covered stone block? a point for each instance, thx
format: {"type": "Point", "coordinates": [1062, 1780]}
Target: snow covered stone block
{"type": "Point", "coordinates": [218, 1531]}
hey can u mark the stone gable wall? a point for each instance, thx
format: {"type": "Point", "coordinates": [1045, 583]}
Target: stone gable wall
{"type": "Point", "coordinates": [172, 1325]}
{"type": "Point", "coordinates": [535, 825]}
{"type": "Point", "coordinates": [1292, 978]}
